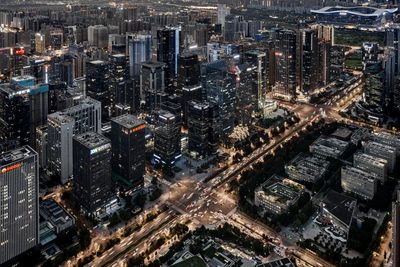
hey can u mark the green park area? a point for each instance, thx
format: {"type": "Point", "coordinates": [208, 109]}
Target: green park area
{"type": "Point", "coordinates": [357, 37]}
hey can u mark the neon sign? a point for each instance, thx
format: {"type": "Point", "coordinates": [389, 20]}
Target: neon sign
{"type": "Point", "coordinates": [10, 168]}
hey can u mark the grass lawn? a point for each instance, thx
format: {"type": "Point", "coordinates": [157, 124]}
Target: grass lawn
{"type": "Point", "coordinates": [356, 37]}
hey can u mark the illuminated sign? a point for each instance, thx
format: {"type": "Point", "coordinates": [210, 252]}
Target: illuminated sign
{"type": "Point", "coordinates": [10, 168]}
{"type": "Point", "coordinates": [19, 51]}
{"type": "Point", "coordinates": [138, 128]}
{"type": "Point", "coordinates": [99, 149]}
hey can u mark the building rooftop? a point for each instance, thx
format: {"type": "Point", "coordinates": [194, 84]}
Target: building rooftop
{"type": "Point", "coordinates": [92, 140]}
{"type": "Point", "coordinates": [284, 262]}
{"type": "Point", "coordinates": [128, 121]}
{"type": "Point", "coordinates": [60, 117]}
{"type": "Point", "coordinates": [154, 65]}
{"type": "Point", "coordinates": [97, 62]}
{"type": "Point", "coordinates": [375, 145]}
{"type": "Point", "coordinates": [84, 103]}
{"type": "Point", "coordinates": [340, 206]}
{"type": "Point", "coordinates": [309, 165]}
{"type": "Point", "coordinates": [386, 138]}
{"type": "Point", "coordinates": [356, 172]}
{"type": "Point", "coordinates": [14, 155]}
{"type": "Point", "coordinates": [364, 11]}
{"type": "Point", "coordinates": [342, 133]}
{"type": "Point", "coordinates": [55, 214]}
{"type": "Point", "coordinates": [370, 159]}
{"type": "Point", "coordinates": [330, 144]}
{"type": "Point", "coordinates": [282, 191]}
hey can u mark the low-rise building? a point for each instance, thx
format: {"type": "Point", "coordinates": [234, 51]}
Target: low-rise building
{"type": "Point", "coordinates": [386, 139]}
{"type": "Point", "coordinates": [343, 133]}
{"type": "Point", "coordinates": [306, 168]}
{"type": "Point", "coordinates": [371, 164]}
{"type": "Point", "coordinates": [359, 135]}
{"type": "Point", "coordinates": [382, 151]}
{"type": "Point", "coordinates": [56, 215]}
{"type": "Point", "coordinates": [278, 196]}
{"type": "Point", "coordinates": [338, 209]}
{"type": "Point", "coordinates": [326, 147]}
{"type": "Point", "coordinates": [284, 262]}
{"type": "Point", "coordinates": [359, 182]}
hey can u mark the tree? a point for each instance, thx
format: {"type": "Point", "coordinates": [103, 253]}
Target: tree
{"type": "Point", "coordinates": [140, 200]}
{"type": "Point", "coordinates": [114, 220]}
{"type": "Point", "coordinates": [84, 238]}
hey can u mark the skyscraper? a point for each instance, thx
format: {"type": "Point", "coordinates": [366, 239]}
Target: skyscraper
{"type": "Point", "coordinates": [139, 51]}
{"type": "Point", "coordinates": [168, 47]}
{"type": "Point", "coordinates": [167, 140]}
{"type": "Point", "coordinates": [202, 128]}
{"type": "Point", "coordinates": [120, 85]}
{"type": "Point", "coordinates": [251, 85]}
{"type": "Point", "coordinates": [98, 36]}
{"type": "Point", "coordinates": [19, 209]}
{"type": "Point", "coordinates": [309, 57]}
{"type": "Point", "coordinates": [218, 80]}
{"type": "Point", "coordinates": [190, 93]}
{"type": "Point", "coordinates": [152, 84]}
{"type": "Point", "coordinates": [223, 11]}
{"type": "Point", "coordinates": [62, 126]}
{"type": "Point", "coordinates": [23, 107]}
{"type": "Point", "coordinates": [97, 84]}
{"type": "Point", "coordinates": [189, 70]}
{"type": "Point", "coordinates": [285, 67]}
{"type": "Point", "coordinates": [92, 172]}
{"type": "Point", "coordinates": [128, 151]}
{"type": "Point", "coordinates": [396, 231]}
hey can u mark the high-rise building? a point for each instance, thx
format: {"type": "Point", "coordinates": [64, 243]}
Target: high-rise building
{"type": "Point", "coordinates": [92, 172]}
{"type": "Point", "coordinates": [326, 33]}
{"type": "Point", "coordinates": [14, 114]}
{"type": "Point", "coordinates": [152, 84]}
{"type": "Point", "coordinates": [38, 102]}
{"type": "Point", "coordinates": [56, 39]}
{"type": "Point", "coordinates": [98, 36]}
{"type": "Point", "coordinates": [190, 93]}
{"type": "Point", "coordinates": [223, 11]}
{"type": "Point", "coordinates": [62, 126]}
{"type": "Point", "coordinates": [218, 80]}
{"type": "Point", "coordinates": [167, 140]}
{"type": "Point", "coordinates": [337, 59]}
{"type": "Point", "coordinates": [19, 209]}
{"type": "Point", "coordinates": [60, 133]}
{"type": "Point", "coordinates": [23, 107]}
{"type": "Point", "coordinates": [251, 87]}
{"type": "Point", "coordinates": [97, 85]}
{"type": "Point", "coordinates": [120, 85]}
{"type": "Point", "coordinates": [231, 28]}
{"type": "Point", "coordinates": [392, 40]}
{"type": "Point", "coordinates": [128, 151]}
{"type": "Point", "coordinates": [139, 51]}
{"type": "Point", "coordinates": [189, 70]}
{"type": "Point", "coordinates": [396, 231]}
{"type": "Point", "coordinates": [40, 43]}
{"type": "Point", "coordinates": [285, 63]}
{"type": "Point", "coordinates": [168, 47]}
{"type": "Point", "coordinates": [309, 65]}
{"type": "Point", "coordinates": [202, 128]}
{"type": "Point", "coordinates": [41, 145]}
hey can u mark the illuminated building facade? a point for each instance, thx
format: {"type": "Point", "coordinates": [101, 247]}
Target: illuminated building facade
{"type": "Point", "coordinates": [19, 202]}
{"type": "Point", "coordinates": [92, 172]}
{"type": "Point", "coordinates": [128, 151]}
